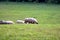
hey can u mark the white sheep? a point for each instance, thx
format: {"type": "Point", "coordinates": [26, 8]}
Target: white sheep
{"type": "Point", "coordinates": [8, 22]}
{"type": "Point", "coordinates": [20, 21]}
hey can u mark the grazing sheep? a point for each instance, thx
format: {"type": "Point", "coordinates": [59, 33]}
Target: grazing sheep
{"type": "Point", "coordinates": [20, 21]}
{"type": "Point", "coordinates": [31, 21]}
{"type": "Point", "coordinates": [6, 22]}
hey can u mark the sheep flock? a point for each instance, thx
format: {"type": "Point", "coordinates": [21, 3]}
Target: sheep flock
{"type": "Point", "coordinates": [24, 21]}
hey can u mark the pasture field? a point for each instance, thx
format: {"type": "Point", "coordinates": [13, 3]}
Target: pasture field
{"type": "Point", "coordinates": [48, 16]}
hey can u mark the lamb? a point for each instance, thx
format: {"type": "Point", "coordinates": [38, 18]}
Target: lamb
{"type": "Point", "coordinates": [20, 21]}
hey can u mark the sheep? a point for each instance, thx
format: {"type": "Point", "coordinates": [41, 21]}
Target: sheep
{"type": "Point", "coordinates": [20, 21]}
{"type": "Point", "coordinates": [6, 22]}
{"type": "Point", "coordinates": [30, 21]}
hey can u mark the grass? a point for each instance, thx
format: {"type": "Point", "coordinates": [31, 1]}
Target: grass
{"type": "Point", "coordinates": [44, 13]}
{"type": "Point", "coordinates": [48, 16]}
{"type": "Point", "coordinates": [30, 32]}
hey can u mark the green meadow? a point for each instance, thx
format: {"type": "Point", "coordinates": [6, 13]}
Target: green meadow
{"type": "Point", "coordinates": [48, 16]}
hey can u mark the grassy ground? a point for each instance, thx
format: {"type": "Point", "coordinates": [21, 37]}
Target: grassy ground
{"type": "Point", "coordinates": [48, 16]}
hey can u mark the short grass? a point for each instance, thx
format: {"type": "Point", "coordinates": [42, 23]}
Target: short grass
{"type": "Point", "coordinates": [48, 16]}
